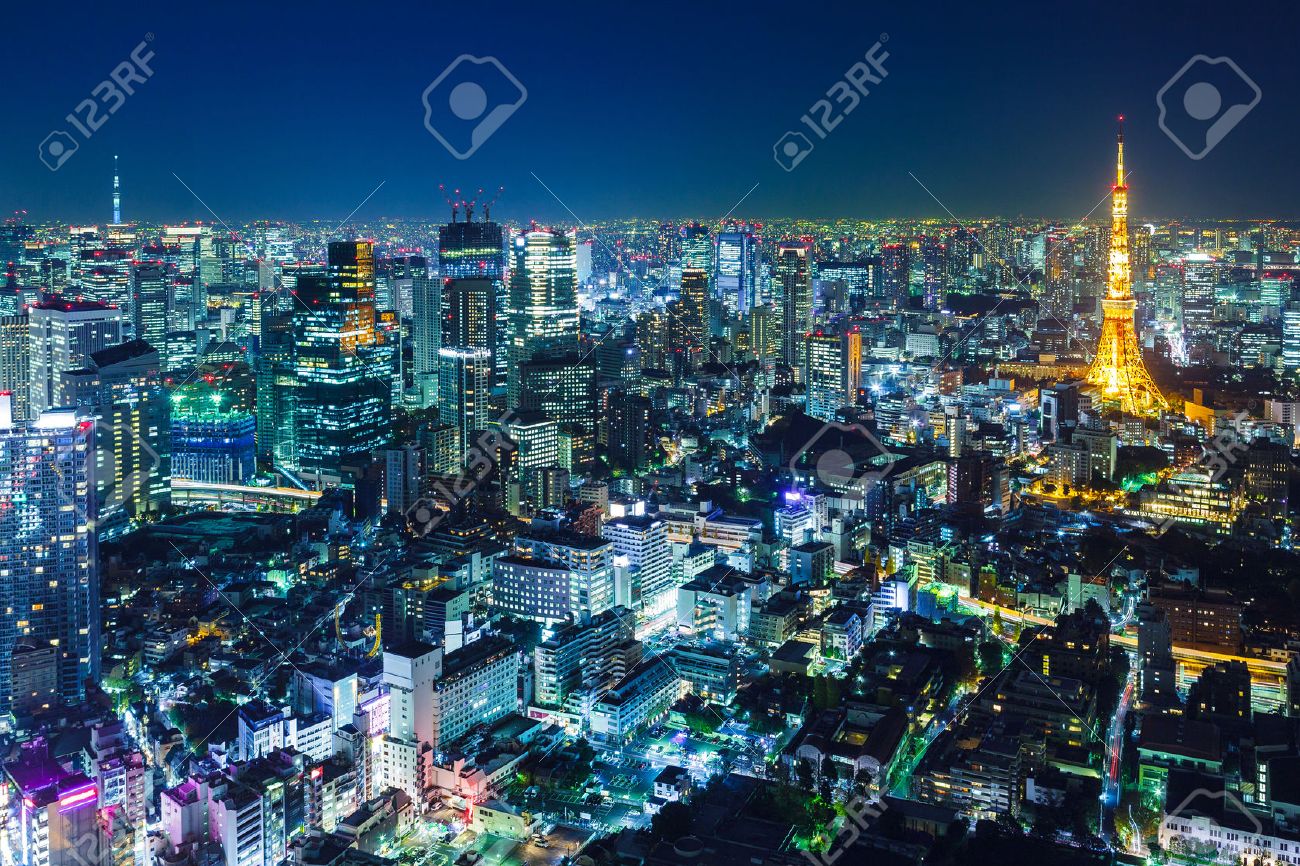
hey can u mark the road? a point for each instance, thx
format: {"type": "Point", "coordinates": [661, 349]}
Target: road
{"type": "Point", "coordinates": [902, 784]}
{"type": "Point", "coordinates": [1112, 787]}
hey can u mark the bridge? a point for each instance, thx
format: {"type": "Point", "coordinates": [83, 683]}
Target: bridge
{"type": "Point", "coordinates": [186, 491]}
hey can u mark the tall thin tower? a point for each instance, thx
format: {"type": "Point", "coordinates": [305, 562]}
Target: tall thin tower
{"type": "Point", "coordinates": [117, 196]}
{"type": "Point", "coordinates": [1117, 377]}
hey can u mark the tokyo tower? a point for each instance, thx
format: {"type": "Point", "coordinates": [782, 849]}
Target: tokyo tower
{"type": "Point", "coordinates": [1117, 377]}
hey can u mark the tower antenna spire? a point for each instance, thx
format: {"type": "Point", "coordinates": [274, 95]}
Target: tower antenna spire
{"type": "Point", "coordinates": [117, 195]}
{"type": "Point", "coordinates": [1119, 156]}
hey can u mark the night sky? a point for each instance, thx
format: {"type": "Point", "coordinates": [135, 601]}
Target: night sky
{"type": "Point", "coordinates": [663, 109]}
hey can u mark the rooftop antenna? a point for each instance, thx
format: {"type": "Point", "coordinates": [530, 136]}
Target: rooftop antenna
{"type": "Point", "coordinates": [117, 196]}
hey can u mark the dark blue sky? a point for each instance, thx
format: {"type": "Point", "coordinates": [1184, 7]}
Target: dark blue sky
{"type": "Point", "coordinates": [663, 109]}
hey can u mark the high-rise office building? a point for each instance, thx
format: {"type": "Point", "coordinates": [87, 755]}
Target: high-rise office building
{"type": "Point", "coordinates": [63, 335]}
{"type": "Point", "coordinates": [189, 254]}
{"type": "Point", "coordinates": [895, 272]}
{"type": "Point", "coordinates": [210, 441]}
{"type": "Point", "coordinates": [643, 565]}
{"type": "Point", "coordinates": [563, 387]}
{"type": "Point", "coordinates": [832, 370]}
{"type": "Point", "coordinates": [536, 441]}
{"type": "Point", "coordinates": [121, 387]}
{"type": "Point", "coordinates": [469, 314]}
{"type": "Point", "coordinates": [15, 366]}
{"type": "Point", "coordinates": [275, 384]}
{"type": "Point", "coordinates": [426, 335]}
{"type": "Point", "coordinates": [934, 272]}
{"type": "Point", "coordinates": [792, 275]}
{"type": "Point", "coordinates": [543, 307]}
{"type": "Point", "coordinates": [51, 578]}
{"type": "Point", "coordinates": [1291, 335]}
{"type": "Point", "coordinates": [628, 431]}
{"type": "Point", "coordinates": [467, 357]}
{"type": "Point", "coordinates": [105, 276]}
{"type": "Point", "coordinates": [735, 278]}
{"type": "Point", "coordinates": [696, 247]}
{"type": "Point", "coordinates": [464, 389]}
{"type": "Point", "coordinates": [344, 393]}
{"type": "Point", "coordinates": [149, 308]}
{"type": "Point", "coordinates": [476, 250]}
{"type": "Point", "coordinates": [858, 281]}
{"type": "Point", "coordinates": [689, 322]}
{"type": "Point", "coordinates": [652, 337]}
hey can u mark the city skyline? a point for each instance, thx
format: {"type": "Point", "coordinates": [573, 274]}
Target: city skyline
{"type": "Point", "coordinates": [638, 510]}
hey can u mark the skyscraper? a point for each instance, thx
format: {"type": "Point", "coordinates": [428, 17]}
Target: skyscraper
{"type": "Point", "coordinates": [476, 250]}
{"type": "Point", "coordinates": [736, 275]}
{"type": "Point", "coordinates": [344, 396]}
{"type": "Point", "coordinates": [469, 314]}
{"type": "Point", "coordinates": [792, 274]}
{"type": "Point", "coordinates": [426, 335]}
{"type": "Point", "coordinates": [15, 368]}
{"type": "Point", "coordinates": [629, 431]}
{"type": "Point", "coordinates": [563, 387]}
{"type": "Point", "coordinates": [697, 248]}
{"type": "Point", "coordinates": [689, 322]}
{"type": "Point", "coordinates": [832, 367]}
{"type": "Point", "coordinates": [464, 386]}
{"type": "Point", "coordinates": [63, 335]}
{"type": "Point", "coordinates": [1117, 374]}
{"type": "Point", "coordinates": [896, 269]}
{"type": "Point", "coordinates": [121, 388]}
{"type": "Point", "coordinates": [537, 447]}
{"type": "Point", "coordinates": [51, 578]}
{"type": "Point", "coordinates": [189, 252]}
{"type": "Point", "coordinates": [149, 308]}
{"type": "Point", "coordinates": [543, 309]}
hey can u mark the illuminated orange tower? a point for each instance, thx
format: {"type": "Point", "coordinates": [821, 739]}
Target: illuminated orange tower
{"type": "Point", "coordinates": [1117, 377]}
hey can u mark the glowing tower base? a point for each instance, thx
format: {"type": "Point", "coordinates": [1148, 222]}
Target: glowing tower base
{"type": "Point", "coordinates": [1117, 375]}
